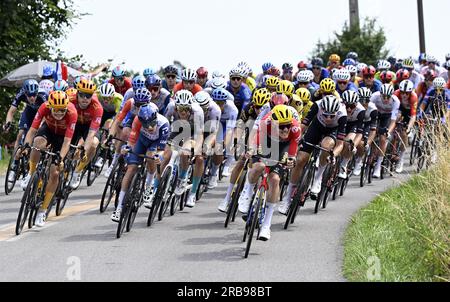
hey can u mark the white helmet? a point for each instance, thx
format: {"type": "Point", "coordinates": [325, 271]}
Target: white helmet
{"type": "Point", "coordinates": [406, 86]}
{"type": "Point", "coordinates": [439, 83]}
{"type": "Point", "coordinates": [447, 57]}
{"type": "Point", "coordinates": [245, 66]}
{"type": "Point", "coordinates": [387, 89]}
{"type": "Point", "coordinates": [364, 93]}
{"type": "Point", "coordinates": [189, 75]}
{"type": "Point", "coordinates": [184, 98]}
{"type": "Point", "coordinates": [311, 75]}
{"type": "Point", "coordinates": [203, 98]}
{"type": "Point", "coordinates": [342, 75]}
{"type": "Point", "coordinates": [352, 69]}
{"type": "Point", "coordinates": [350, 97]}
{"type": "Point", "coordinates": [237, 72]}
{"type": "Point", "coordinates": [303, 76]}
{"type": "Point", "coordinates": [330, 104]}
{"type": "Point", "coordinates": [217, 74]}
{"type": "Point", "coordinates": [107, 90]}
{"type": "Point", "coordinates": [46, 86]}
{"type": "Point", "coordinates": [361, 66]}
{"type": "Point", "coordinates": [383, 65]}
{"type": "Point", "coordinates": [447, 64]}
{"type": "Point", "coordinates": [219, 83]}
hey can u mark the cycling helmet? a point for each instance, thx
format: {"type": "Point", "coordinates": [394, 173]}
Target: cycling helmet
{"type": "Point", "coordinates": [402, 74]}
{"type": "Point", "coordinates": [447, 57]}
{"type": "Point", "coordinates": [147, 115]}
{"type": "Point", "coordinates": [218, 82]}
{"type": "Point", "coordinates": [383, 65]}
{"type": "Point", "coordinates": [352, 55]}
{"type": "Point", "coordinates": [352, 69]}
{"type": "Point", "coordinates": [350, 97]}
{"type": "Point", "coordinates": [266, 66]}
{"type": "Point", "coordinates": [30, 87]}
{"type": "Point", "coordinates": [188, 75]}
{"type": "Point", "coordinates": [311, 75]}
{"type": "Point", "coordinates": [406, 86]}
{"type": "Point", "coordinates": [219, 95]}
{"type": "Point", "coordinates": [274, 71]}
{"type": "Point", "coordinates": [286, 87]}
{"type": "Point", "coordinates": [408, 63]}
{"type": "Point", "coordinates": [439, 83]}
{"type": "Point", "coordinates": [334, 58]}
{"type": "Point", "coordinates": [148, 72]}
{"type": "Point", "coordinates": [203, 98]}
{"type": "Point", "coordinates": [246, 67]}
{"type": "Point", "coordinates": [171, 69]}
{"type": "Point", "coordinates": [153, 81]}
{"type": "Point", "coordinates": [287, 66]}
{"type": "Point", "coordinates": [77, 80]}
{"type": "Point", "coordinates": [369, 71]}
{"type": "Point", "coordinates": [317, 62]}
{"type": "Point", "coordinates": [278, 99]}
{"type": "Point", "coordinates": [282, 114]}
{"type": "Point", "coordinates": [264, 80]}
{"type": "Point", "coordinates": [349, 62]}
{"type": "Point", "coordinates": [387, 90]}
{"type": "Point", "coordinates": [447, 64]}
{"type": "Point", "coordinates": [118, 72]}
{"type": "Point", "coordinates": [328, 85]}
{"type": "Point", "coordinates": [107, 90]}
{"type": "Point", "coordinates": [432, 59]}
{"type": "Point", "coordinates": [60, 85]}
{"type": "Point", "coordinates": [202, 72]}
{"type": "Point", "coordinates": [302, 65]}
{"type": "Point", "coordinates": [360, 67]}
{"type": "Point", "coordinates": [217, 74]}
{"type": "Point", "coordinates": [47, 71]}
{"type": "Point", "coordinates": [72, 94]}
{"type": "Point", "coordinates": [142, 96]}
{"type": "Point", "coordinates": [304, 76]}
{"type": "Point", "coordinates": [138, 82]}
{"type": "Point", "coordinates": [86, 86]}
{"type": "Point", "coordinates": [272, 82]}
{"type": "Point", "coordinates": [46, 86]}
{"type": "Point", "coordinates": [392, 60]}
{"type": "Point", "coordinates": [236, 72]}
{"type": "Point", "coordinates": [303, 94]}
{"type": "Point", "coordinates": [342, 75]}
{"type": "Point", "coordinates": [386, 77]}
{"type": "Point", "coordinates": [58, 100]}
{"type": "Point", "coordinates": [430, 75]}
{"type": "Point", "coordinates": [184, 98]}
{"type": "Point", "coordinates": [364, 94]}
{"type": "Point", "coordinates": [330, 104]}
{"type": "Point", "coordinates": [261, 97]}
{"type": "Point", "coordinates": [422, 57]}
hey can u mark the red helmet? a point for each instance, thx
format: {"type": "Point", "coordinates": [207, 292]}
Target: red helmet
{"type": "Point", "coordinates": [369, 71]}
{"type": "Point", "coordinates": [202, 72]}
{"type": "Point", "coordinates": [430, 75]}
{"type": "Point", "coordinates": [278, 99]}
{"type": "Point", "coordinates": [274, 71]}
{"type": "Point", "coordinates": [302, 64]}
{"type": "Point", "coordinates": [386, 77]}
{"type": "Point", "coordinates": [402, 74]}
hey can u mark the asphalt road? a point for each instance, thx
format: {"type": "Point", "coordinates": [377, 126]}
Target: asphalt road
{"type": "Point", "coordinates": [192, 246]}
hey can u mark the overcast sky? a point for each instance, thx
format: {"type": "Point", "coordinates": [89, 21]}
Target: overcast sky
{"type": "Point", "coordinates": [219, 33]}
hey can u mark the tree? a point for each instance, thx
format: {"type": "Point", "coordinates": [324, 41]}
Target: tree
{"type": "Point", "coordinates": [368, 42]}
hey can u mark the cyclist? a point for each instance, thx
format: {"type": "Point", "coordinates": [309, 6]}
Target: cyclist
{"type": "Point", "coordinates": [137, 83]}
{"type": "Point", "coordinates": [369, 80]}
{"type": "Point", "coordinates": [279, 134]}
{"type": "Point", "coordinates": [387, 77]}
{"type": "Point", "coordinates": [318, 70]}
{"type": "Point", "coordinates": [240, 91]}
{"type": "Point", "coordinates": [170, 78]}
{"type": "Point", "coordinates": [120, 82]}
{"type": "Point", "coordinates": [90, 113]}
{"type": "Point", "coordinates": [401, 75]}
{"type": "Point", "coordinates": [148, 72]}
{"type": "Point", "coordinates": [437, 101]}
{"type": "Point", "coordinates": [188, 128]}
{"type": "Point", "coordinates": [305, 80]}
{"type": "Point", "coordinates": [342, 78]}
{"type": "Point", "coordinates": [148, 137]}
{"type": "Point", "coordinates": [327, 87]}
{"type": "Point", "coordinates": [415, 77]}
{"type": "Point", "coordinates": [305, 96]}
{"type": "Point", "coordinates": [426, 85]}
{"type": "Point", "coordinates": [388, 107]}
{"type": "Point", "coordinates": [53, 126]}
{"type": "Point", "coordinates": [288, 72]}
{"type": "Point", "coordinates": [326, 123]}
{"type": "Point", "coordinates": [272, 84]}
{"type": "Point", "coordinates": [160, 96]}
{"type": "Point", "coordinates": [446, 74]}
{"type": "Point", "coordinates": [432, 64]}
{"type": "Point", "coordinates": [60, 85]}
{"type": "Point", "coordinates": [353, 71]}
{"type": "Point", "coordinates": [265, 68]}
{"type": "Point", "coordinates": [247, 73]}
{"type": "Point", "coordinates": [202, 77]}
{"type": "Point", "coordinates": [383, 65]}
{"type": "Point", "coordinates": [188, 82]}
{"type": "Point", "coordinates": [408, 108]}
{"type": "Point", "coordinates": [219, 82]}
{"type": "Point", "coordinates": [352, 55]}
{"type": "Point", "coordinates": [334, 61]}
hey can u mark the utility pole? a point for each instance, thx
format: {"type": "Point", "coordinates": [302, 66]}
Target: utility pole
{"type": "Point", "coordinates": [421, 26]}
{"type": "Point", "coordinates": [354, 13]}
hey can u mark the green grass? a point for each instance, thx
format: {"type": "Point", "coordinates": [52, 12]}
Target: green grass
{"type": "Point", "coordinates": [403, 235]}
{"type": "Point", "coordinates": [4, 163]}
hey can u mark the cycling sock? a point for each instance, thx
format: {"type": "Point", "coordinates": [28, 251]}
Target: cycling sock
{"type": "Point", "coordinates": [47, 199]}
{"type": "Point", "coordinates": [33, 166]}
{"type": "Point", "coordinates": [379, 161]}
{"type": "Point", "coordinates": [121, 197]}
{"type": "Point", "coordinates": [249, 188]}
{"type": "Point", "coordinates": [359, 160]}
{"type": "Point", "coordinates": [150, 177]}
{"type": "Point", "coordinates": [229, 191]}
{"type": "Point", "coordinates": [319, 173]}
{"type": "Point", "coordinates": [402, 155]}
{"type": "Point", "coordinates": [195, 183]}
{"type": "Point", "coordinates": [115, 158]}
{"type": "Point", "coordinates": [155, 184]}
{"type": "Point", "coordinates": [289, 191]}
{"type": "Point", "coordinates": [183, 174]}
{"type": "Point", "coordinates": [344, 162]}
{"type": "Point", "coordinates": [270, 207]}
{"type": "Point", "coordinates": [214, 169]}
{"type": "Point", "coordinates": [83, 163]}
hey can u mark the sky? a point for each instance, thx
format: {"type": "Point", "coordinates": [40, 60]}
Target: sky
{"type": "Point", "coordinates": [218, 34]}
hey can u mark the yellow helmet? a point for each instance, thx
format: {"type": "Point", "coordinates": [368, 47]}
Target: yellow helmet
{"type": "Point", "coordinates": [334, 58]}
{"type": "Point", "coordinates": [286, 87]}
{"type": "Point", "coordinates": [282, 114]}
{"type": "Point", "coordinates": [86, 86]}
{"type": "Point", "coordinates": [261, 97]}
{"type": "Point", "coordinates": [304, 94]}
{"type": "Point", "coordinates": [297, 103]}
{"type": "Point", "coordinates": [273, 82]}
{"type": "Point", "coordinates": [58, 100]}
{"type": "Point", "coordinates": [71, 93]}
{"type": "Point", "coordinates": [328, 85]}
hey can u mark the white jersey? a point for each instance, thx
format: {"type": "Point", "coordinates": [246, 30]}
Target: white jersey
{"type": "Point", "coordinates": [229, 115]}
{"type": "Point", "coordinates": [391, 107]}
{"type": "Point", "coordinates": [370, 108]}
{"type": "Point", "coordinates": [335, 121]}
{"type": "Point", "coordinates": [197, 116]}
{"type": "Point", "coordinates": [212, 117]}
{"type": "Point", "coordinates": [210, 90]}
{"type": "Point", "coordinates": [354, 116]}
{"type": "Point", "coordinates": [416, 78]}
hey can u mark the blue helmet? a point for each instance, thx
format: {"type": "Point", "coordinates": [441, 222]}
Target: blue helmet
{"type": "Point", "coordinates": [47, 71]}
{"type": "Point", "coordinates": [149, 72]}
{"type": "Point", "coordinates": [138, 82]}
{"type": "Point", "coordinates": [147, 115]}
{"type": "Point", "coordinates": [352, 55]}
{"type": "Point", "coordinates": [118, 72]}
{"type": "Point", "coordinates": [266, 66]}
{"type": "Point", "coordinates": [348, 62]}
{"type": "Point", "coordinates": [60, 85]}
{"type": "Point", "coordinates": [422, 57]}
{"type": "Point", "coordinates": [30, 87]}
{"type": "Point", "coordinates": [219, 95]}
{"type": "Point", "coordinates": [153, 80]}
{"type": "Point", "coordinates": [142, 96]}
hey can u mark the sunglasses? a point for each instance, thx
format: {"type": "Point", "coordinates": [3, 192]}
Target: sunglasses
{"type": "Point", "coordinates": [386, 97]}
{"type": "Point", "coordinates": [328, 116]}
{"type": "Point", "coordinates": [59, 111]}
{"type": "Point", "coordinates": [352, 106]}
{"type": "Point", "coordinates": [154, 89]}
{"type": "Point", "coordinates": [317, 67]}
{"type": "Point", "coordinates": [189, 82]}
{"type": "Point", "coordinates": [151, 124]}
{"type": "Point", "coordinates": [171, 76]}
{"type": "Point", "coordinates": [119, 78]}
{"type": "Point", "coordinates": [31, 95]}
{"type": "Point", "coordinates": [285, 127]}
{"type": "Point", "coordinates": [202, 78]}
{"type": "Point", "coordinates": [303, 83]}
{"type": "Point", "coordinates": [84, 95]}
{"type": "Point", "coordinates": [405, 93]}
{"type": "Point", "coordinates": [368, 77]}
{"type": "Point", "coordinates": [236, 79]}
{"type": "Point", "coordinates": [183, 109]}
{"type": "Point", "coordinates": [342, 82]}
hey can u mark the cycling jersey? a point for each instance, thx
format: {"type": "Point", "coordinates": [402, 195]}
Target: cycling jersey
{"type": "Point", "coordinates": [318, 95]}
{"type": "Point", "coordinates": [242, 97]}
{"type": "Point", "coordinates": [323, 75]}
{"type": "Point", "coordinates": [210, 91]}
{"type": "Point", "coordinates": [408, 107]}
{"type": "Point", "coordinates": [391, 107]}
{"type": "Point", "coordinates": [113, 106]}
{"type": "Point", "coordinates": [122, 90]}
{"type": "Point", "coordinates": [64, 127]}
{"type": "Point", "coordinates": [165, 86]}
{"type": "Point", "coordinates": [21, 97]}
{"type": "Point", "coordinates": [196, 118]}
{"type": "Point", "coordinates": [162, 100]}
{"type": "Point", "coordinates": [251, 83]}
{"type": "Point", "coordinates": [128, 95]}
{"type": "Point", "coordinates": [249, 112]}
{"type": "Point", "coordinates": [180, 86]}
{"type": "Point", "coordinates": [228, 120]}
{"type": "Point", "coordinates": [355, 121]}
{"type": "Point", "coordinates": [375, 87]}
{"type": "Point", "coordinates": [416, 78]}
{"type": "Point", "coordinates": [128, 112]}
{"type": "Point", "coordinates": [212, 118]}
{"type": "Point", "coordinates": [92, 115]}
{"type": "Point", "coordinates": [350, 86]}
{"type": "Point", "coordinates": [437, 105]}
{"type": "Point", "coordinates": [370, 119]}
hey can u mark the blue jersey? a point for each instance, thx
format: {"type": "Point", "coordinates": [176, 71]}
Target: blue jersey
{"type": "Point", "coordinates": [242, 98]}
{"type": "Point", "coordinates": [350, 86]}
{"type": "Point", "coordinates": [435, 104]}
{"type": "Point", "coordinates": [376, 85]}
{"type": "Point", "coordinates": [21, 97]}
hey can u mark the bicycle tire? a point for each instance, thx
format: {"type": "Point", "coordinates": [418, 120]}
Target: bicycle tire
{"type": "Point", "coordinates": [138, 187]}
{"type": "Point", "coordinates": [26, 203]}
{"type": "Point", "coordinates": [233, 204]}
{"type": "Point", "coordinates": [364, 171]}
{"type": "Point", "coordinates": [8, 185]}
{"type": "Point", "coordinates": [125, 214]}
{"type": "Point", "coordinates": [65, 192]}
{"type": "Point", "coordinates": [254, 219]}
{"type": "Point", "coordinates": [110, 187]}
{"type": "Point", "coordinates": [174, 200]}
{"type": "Point", "coordinates": [157, 200]}
{"type": "Point", "coordinates": [202, 187]}
{"type": "Point", "coordinates": [166, 187]}
{"type": "Point", "coordinates": [39, 196]}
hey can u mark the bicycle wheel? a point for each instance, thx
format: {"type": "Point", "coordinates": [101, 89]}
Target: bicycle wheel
{"type": "Point", "coordinates": [110, 191]}
{"type": "Point", "coordinates": [28, 199]}
{"type": "Point", "coordinates": [254, 218]}
{"type": "Point", "coordinates": [174, 200]}
{"type": "Point", "coordinates": [165, 193]}
{"type": "Point", "coordinates": [127, 207]}
{"type": "Point", "coordinates": [233, 204]}
{"type": "Point", "coordinates": [136, 202]}
{"type": "Point", "coordinates": [364, 171]}
{"type": "Point", "coordinates": [158, 198]}
{"type": "Point", "coordinates": [9, 186]}
{"type": "Point", "coordinates": [65, 192]}
{"type": "Point", "coordinates": [202, 187]}
{"type": "Point", "coordinates": [39, 197]}
{"type": "Point", "coordinates": [414, 150]}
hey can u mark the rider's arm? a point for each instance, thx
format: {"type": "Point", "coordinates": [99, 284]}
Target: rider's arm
{"type": "Point", "coordinates": [42, 111]}
{"type": "Point", "coordinates": [135, 132]}
{"type": "Point", "coordinates": [311, 115]}
{"type": "Point", "coordinates": [342, 123]}
{"type": "Point", "coordinates": [71, 122]}
{"type": "Point", "coordinates": [10, 116]}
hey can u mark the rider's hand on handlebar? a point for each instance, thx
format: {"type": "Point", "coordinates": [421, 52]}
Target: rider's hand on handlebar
{"type": "Point", "coordinates": [290, 163]}
{"type": "Point", "coordinates": [6, 127]}
{"type": "Point", "coordinates": [125, 149]}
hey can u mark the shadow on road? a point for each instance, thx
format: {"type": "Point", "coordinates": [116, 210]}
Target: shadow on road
{"type": "Point", "coordinates": [227, 255]}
